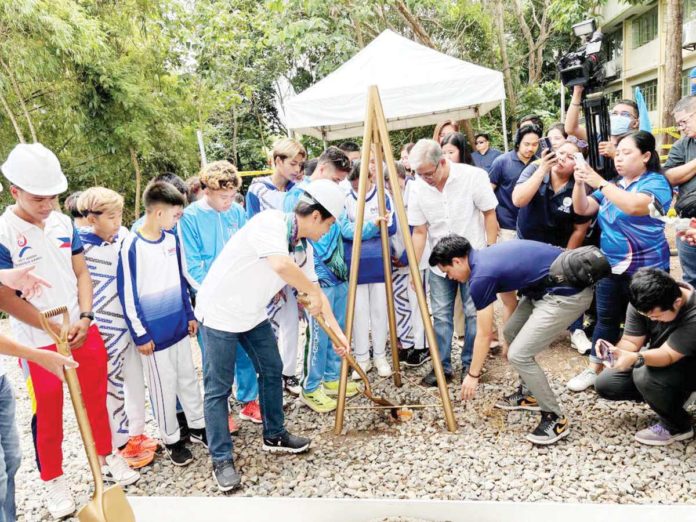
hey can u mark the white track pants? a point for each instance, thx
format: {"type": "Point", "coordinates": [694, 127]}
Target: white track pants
{"type": "Point", "coordinates": [125, 391]}
{"type": "Point", "coordinates": [284, 318]}
{"type": "Point", "coordinates": [419, 340]}
{"type": "Point", "coordinates": [370, 315]}
{"type": "Point", "coordinates": [170, 374]}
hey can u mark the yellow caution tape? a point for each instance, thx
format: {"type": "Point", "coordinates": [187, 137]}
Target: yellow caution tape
{"type": "Point", "coordinates": [255, 172]}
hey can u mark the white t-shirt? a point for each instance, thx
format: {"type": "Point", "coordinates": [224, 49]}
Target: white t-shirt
{"type": "Point", "coordinates": [50, 250]}
{"type": "Point", "coordinates": [240, 283]}
{"type": "Point", "coordinates": [457, 209]}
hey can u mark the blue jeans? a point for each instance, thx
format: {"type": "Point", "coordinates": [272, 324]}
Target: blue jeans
{"type": "Point", "coordinates": [442, 294]}
{"type": "Point", "coordinates": [10, 452]}
{"type": "Point", "coordinates": [612, 301]}
{"type": "Point", "coordinates": [687, 258]}
{"type": "Point", "coordinates": [244, 373]}
{"type": "Point", "coordinates": [324, 363]}
{"type": "Point", "coordinates": [218, 372]}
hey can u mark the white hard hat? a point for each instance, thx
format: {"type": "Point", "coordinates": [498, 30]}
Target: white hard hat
{"type": "Point", "coordinates": [328, 195]}
{"type": "Point", "coordinates": [35, 169]}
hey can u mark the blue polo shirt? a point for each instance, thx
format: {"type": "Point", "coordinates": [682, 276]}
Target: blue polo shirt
{"type": "Point", "coordinates": [504, 173]}
{"type": "Point", "coordinates": [632, 242]}
{"type": "Point", "coordinates": [498, 269]}
{"type": "Point", "coordinates": [485, 161]}
{"type": "Point", "coordinates": [549, 216]}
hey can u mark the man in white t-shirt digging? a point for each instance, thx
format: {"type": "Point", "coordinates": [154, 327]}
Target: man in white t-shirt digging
{"type": "Point", "coordinates": [267, 253]}
{"type": "Point", "coordinates": [449, 198]}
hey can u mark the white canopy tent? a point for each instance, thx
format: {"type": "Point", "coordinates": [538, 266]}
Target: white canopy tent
{"type": "Point", "coordinates": [418, 86]}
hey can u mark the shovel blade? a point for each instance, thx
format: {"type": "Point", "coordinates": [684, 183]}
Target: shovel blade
{"type": "Point", "coordinates": [111, 507]}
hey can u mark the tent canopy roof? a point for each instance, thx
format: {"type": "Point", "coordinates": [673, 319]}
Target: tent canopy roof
{"type": "Point", "coordinates": [417, 85]}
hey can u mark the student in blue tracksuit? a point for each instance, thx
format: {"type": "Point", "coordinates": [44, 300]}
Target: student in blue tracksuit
{"type": "Point", "coordinates": [204, 229]}
{"type": "Point", "coordinates": [371, 297]}
{"type": "Point", "coordinates": [266, 193]}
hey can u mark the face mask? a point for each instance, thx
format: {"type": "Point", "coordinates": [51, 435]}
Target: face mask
{"type": "Point", "coordinates": [619, 125]}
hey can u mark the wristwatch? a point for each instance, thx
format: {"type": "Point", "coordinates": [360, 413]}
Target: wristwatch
{"type": "Point", "coordinates": [87, 315]}
{"type": "Point", "coordinates": [640, 361]}
{"type": "Point", "coordinates": [602, 185]}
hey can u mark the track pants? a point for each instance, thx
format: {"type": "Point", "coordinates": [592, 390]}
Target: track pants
{"type": "Point", "coordinates": [370, 316]}
{"type": "Point", "coordinates": [402, 307]}
{"type": "Point", "coordinates": [125, 390]}
{"type": "Point", "coordinates": [170, 374]}
{"type": "Point", "coordinates": [285, 321]}
{"type": "Point", "coordinates": [48, 392]}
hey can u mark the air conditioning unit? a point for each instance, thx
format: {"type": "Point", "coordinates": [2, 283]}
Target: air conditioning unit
{"type": "Point", "coordinates": [612, 69]}
{"type": "Point", "coordinates": [689, 36]}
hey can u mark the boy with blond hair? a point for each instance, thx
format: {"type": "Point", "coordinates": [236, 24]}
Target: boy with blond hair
{"type": "Point", "coordinates": [204, 229]}
{"type": "Point", "coordinates": [155, 299]}
{"type": "Point", "coordinates": [268, 192]}
{"type": "Point", "coordinates": [102, 208]}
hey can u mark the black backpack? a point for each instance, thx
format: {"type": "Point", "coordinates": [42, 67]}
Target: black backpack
{"type": "Point", "coordinates": [579, 268]}
{"type": "Point", "coordinates": [686, 205]}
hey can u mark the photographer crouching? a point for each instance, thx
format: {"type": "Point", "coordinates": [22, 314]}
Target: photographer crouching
{"type": "Point", "coordinates": [662, 315]}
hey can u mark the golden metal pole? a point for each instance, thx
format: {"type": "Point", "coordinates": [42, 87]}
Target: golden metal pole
{"type": "Point", "coordinates": [381, 122]}
{"type": "Point", "coordinates": [386, 257]}
{"type": "Point", "coordinates": [355, 262]}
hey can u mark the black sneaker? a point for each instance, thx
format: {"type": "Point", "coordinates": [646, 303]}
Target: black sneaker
{"type": "Point", "coordinates": [431, 381]}
{"type": "Point", "coordinates": [183, 426]}
{"type": "Point", "coordinates": [417, 357]}
{"type": "Point", "coordinates": [286, 443]}
{"type": "Point", "coordinates": [292, 385]}
{"type": "Point", "coordinates": [198, 436]}
{"type": "Point", "coordinates": [551, 428]}
{"type": "Point", "coordinates": [520, 400]}
{"type": "Point", "coordinates": [179, 454]}
{"type": "Point", "coordinates": [404, 354]}
{"type": "Point", "coordinates": [226, 477]}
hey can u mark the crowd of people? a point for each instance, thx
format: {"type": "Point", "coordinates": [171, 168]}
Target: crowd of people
{"type": "Point", "coordinates": [231, 270]}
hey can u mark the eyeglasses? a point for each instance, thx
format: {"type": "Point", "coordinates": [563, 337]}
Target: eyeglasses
{"type": "Point", "coordinates": [428, 174]}
{"type": "Point", "coordinates": [622, 113]}
{"type": "Point", "coordinates": [683, 122]}
{"type": "Point", "coordinates": [480, 142]}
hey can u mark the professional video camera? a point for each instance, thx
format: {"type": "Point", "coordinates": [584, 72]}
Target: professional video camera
{"type": "Point", "coordinates": [585, 67]}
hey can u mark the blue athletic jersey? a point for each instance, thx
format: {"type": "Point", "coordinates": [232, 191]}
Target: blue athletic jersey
{"type": "Point", "coordinates": [514, 265]}
{"type": "Point", "coordinates": [633, 242]}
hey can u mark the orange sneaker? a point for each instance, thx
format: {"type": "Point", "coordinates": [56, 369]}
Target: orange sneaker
{"type": "Point", "coordinates": [135, 455]}
{"type": "Point", "coordinates": [234, 427]}
{"type": "Point", "coordinates": [146, 443]}
{"type": "Point", "coordinates": [251, 412]}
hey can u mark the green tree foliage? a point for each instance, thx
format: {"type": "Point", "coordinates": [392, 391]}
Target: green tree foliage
{"type": "Point", "coordinates": [101, 83]}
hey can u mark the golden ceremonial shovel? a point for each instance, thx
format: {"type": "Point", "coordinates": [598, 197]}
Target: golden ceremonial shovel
{"type": "Point", "coordinates": [367, 392]}
{"type": "Point", "coordinates": [110, 504]}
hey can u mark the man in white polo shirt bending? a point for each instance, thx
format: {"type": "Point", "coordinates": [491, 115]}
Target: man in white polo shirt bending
{"type": "Point", "coordinates": [267, 253]}
{"type": "Point", "coordinates": [449, 198]}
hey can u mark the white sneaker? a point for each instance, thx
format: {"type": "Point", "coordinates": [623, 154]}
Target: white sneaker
{"type": "Point", "coordinates": [583, 380]}
{"type": "Point", "coordinates": [691, 400]}
{"type": "Point", "coordinates": [383, 368]}
{"type": "Point", "coordinates": [580, 342]}
{"type": "Point", "coordinates": [366, 367]}
{"type": "Point", "coordinates": [59, 500]}
{"type": "Point", "coordinates": [117, 470]}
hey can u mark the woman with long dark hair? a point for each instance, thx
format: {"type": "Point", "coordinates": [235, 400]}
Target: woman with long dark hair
{"type": "Point", "coordinates": [456, 148]}
{"type": "Point", "coordinates": [631, 238]}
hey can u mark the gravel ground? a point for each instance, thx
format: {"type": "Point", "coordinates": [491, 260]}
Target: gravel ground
{"type": "Point", "coordinates": [486, 459]}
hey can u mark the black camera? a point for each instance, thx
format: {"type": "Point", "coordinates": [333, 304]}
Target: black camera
{"type": "Point", "coordinates": [584, 66]}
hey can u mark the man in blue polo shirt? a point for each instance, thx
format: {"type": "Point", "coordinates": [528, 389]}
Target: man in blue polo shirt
{"type": "Point", "coordinates": [484, 155]}
{"type": "Point", "coordinates": [543, 313]}
{"type": "Point", "coordinates": [505, 172]}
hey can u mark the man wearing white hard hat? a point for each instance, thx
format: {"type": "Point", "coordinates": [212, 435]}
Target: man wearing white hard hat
{"type": "Point", "coordinates": [267, 253]}
{"type": "Point", "coordinates": [33, 233]}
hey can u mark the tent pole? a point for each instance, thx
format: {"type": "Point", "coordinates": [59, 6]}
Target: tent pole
{"type": "Point", "coordinates": [503, 117]}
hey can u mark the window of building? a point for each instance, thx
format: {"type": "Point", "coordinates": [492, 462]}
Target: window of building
{"type": "Point", "coordinates": [613, 43]}
{"type": "Point", "coordinates": [645, 28]}
{"type": "Point", "coordinates": [685, 84]}
{"type": "Point", "coordinates": [649, 90]}
{"type": "Point", "coordinates": [613, 97]}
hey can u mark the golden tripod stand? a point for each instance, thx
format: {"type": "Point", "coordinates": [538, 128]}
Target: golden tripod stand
{"type": "Point", "coordinates": [377, 135]}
